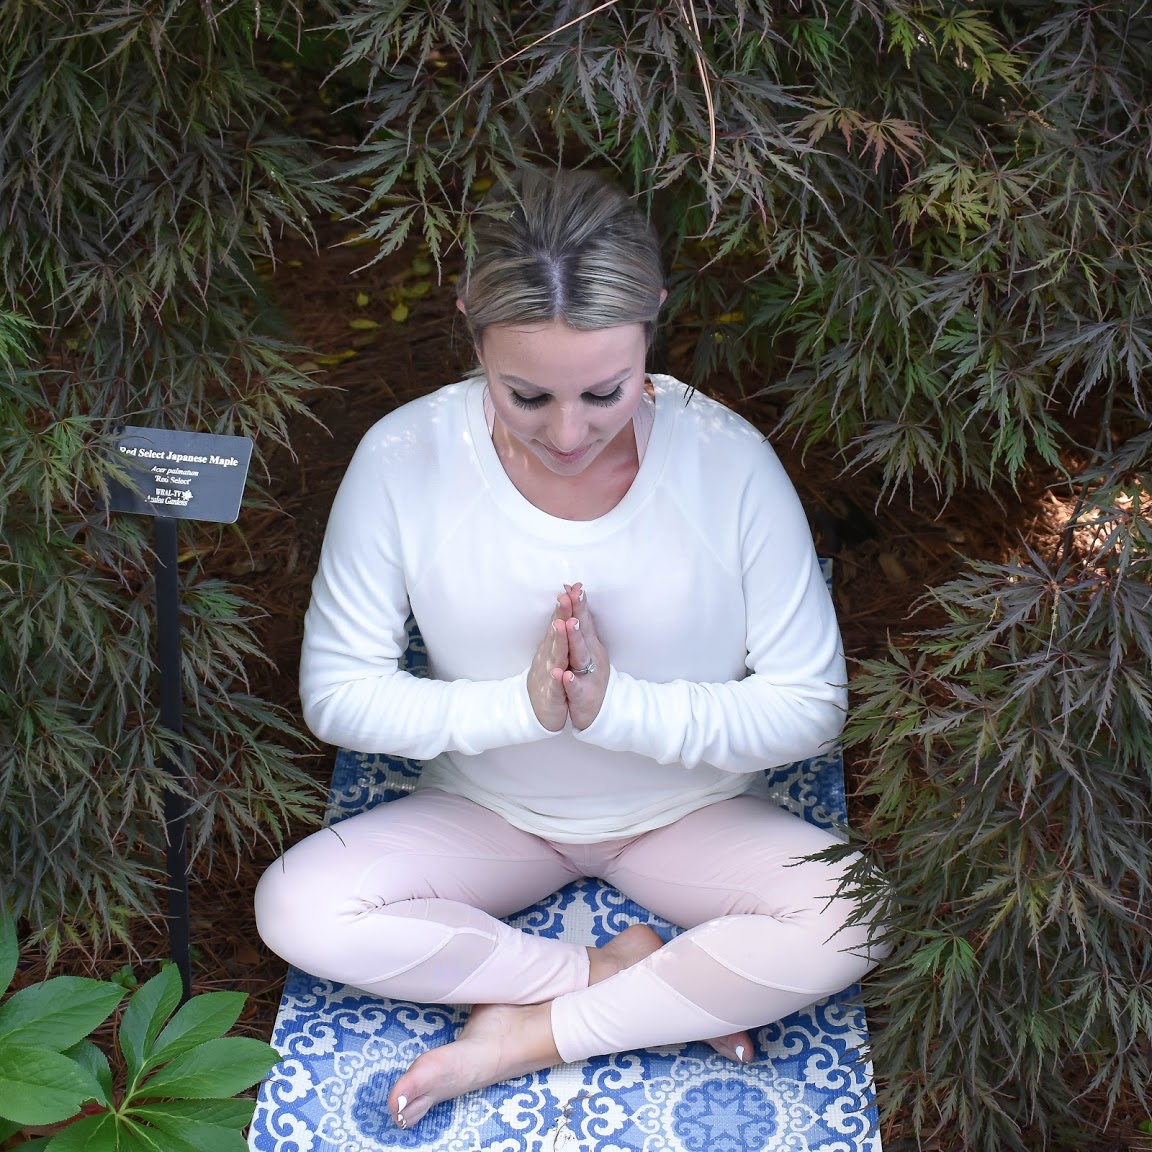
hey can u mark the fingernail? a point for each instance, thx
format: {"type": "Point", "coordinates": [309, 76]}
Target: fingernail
{"type": "Point", "coordinates": [740, 1053]}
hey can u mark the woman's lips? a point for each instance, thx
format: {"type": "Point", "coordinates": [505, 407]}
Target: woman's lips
{"type": "Point", "coordinates": [569, 457]}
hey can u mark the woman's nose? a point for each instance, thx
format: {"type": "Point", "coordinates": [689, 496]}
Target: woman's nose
{"type": "Point", "coordinates": [568, 429]}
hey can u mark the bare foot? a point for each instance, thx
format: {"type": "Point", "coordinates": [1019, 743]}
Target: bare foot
{"type": "Point", "coordinates": [503, 1041]}
{"type": "Point", "coordinates": [622, 951]}
{"type": "Point", "coordinates": [499, 1042]}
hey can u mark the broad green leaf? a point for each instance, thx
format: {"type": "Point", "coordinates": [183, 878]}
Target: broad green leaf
{"type": "Point", "coordinates": [176, 1136]}
{"type": "Point", "coordinates": [91, 1134]}
{"type": "Point", "coordinates": [216, 1068]}
{"type": "Point", "coordinates": [94, 1061]}
{"type": "Point", "coordinates": [42, 1087]}
{"type": "Point", "coordinates": [131, 1137]}
{"type": "Point", "coordinates": [57, 1013]}
{"type": "Point", "coordinates": [220, 1113]}
{"type": "Point", "coordinates": [184, 1135]}
{"type": "Point", "coordinates": [204, 1017]}
{"type": "Point", "coordinates": [9, 948]}
{"type": "Point", "coordinates": [148, 1010]}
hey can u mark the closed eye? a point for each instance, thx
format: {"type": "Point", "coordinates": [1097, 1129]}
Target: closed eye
{"type": "Point", "coordinates": [605, 401]}
{"type": "Point", "coordinates": [528, 402]}
{"type": "Point", "coordinates": [532, 402]}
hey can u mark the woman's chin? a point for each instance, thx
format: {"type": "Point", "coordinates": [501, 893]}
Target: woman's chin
{"type": "Point", "coordinates": [567, 463]}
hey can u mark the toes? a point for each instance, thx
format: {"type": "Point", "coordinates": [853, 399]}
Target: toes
{"type": "Point", "coordinates": [409, 1099]}
{"type": "Point", "coordinates": [397, 1103]}
{"type": "Point", "coordinates": [414, 1111]}
{"type": "Point", "coordinates": [735, 1046]}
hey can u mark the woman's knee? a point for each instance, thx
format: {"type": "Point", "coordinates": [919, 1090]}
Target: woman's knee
{"type": "Point", "coordinates": [824, 903]}
{"type": "Point", "coordinates": [282, 912]}
{"type": "Point", "coordinates": [298, 899]}
{"type": "Point", "coordinates": [851, 915]}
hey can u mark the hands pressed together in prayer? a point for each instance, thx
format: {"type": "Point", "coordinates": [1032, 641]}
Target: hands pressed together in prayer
{"type": "Point", "coordinates": [569, 672]}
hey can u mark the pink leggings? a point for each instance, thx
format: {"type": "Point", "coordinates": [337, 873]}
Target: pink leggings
{"type": "Point", "coordinates": [403, 901]}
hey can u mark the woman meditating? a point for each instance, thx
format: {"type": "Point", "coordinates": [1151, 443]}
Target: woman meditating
{"type": "Point", "coordinates": [626, 625]}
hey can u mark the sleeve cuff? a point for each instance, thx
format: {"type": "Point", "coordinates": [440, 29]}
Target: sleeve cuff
{"type": "Point", "coordinates": [500, 712]}
{"type": "Point", "coordinates": [601, 731]}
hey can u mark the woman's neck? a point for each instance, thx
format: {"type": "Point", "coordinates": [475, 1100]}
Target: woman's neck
{"type": "Point", "coordinates": [592, 493]}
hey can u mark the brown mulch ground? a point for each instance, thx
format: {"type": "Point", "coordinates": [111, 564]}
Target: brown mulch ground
{"type": "Point", "coordinates": [886, 553]}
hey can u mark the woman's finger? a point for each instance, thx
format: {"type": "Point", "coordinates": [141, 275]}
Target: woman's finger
{"type": "Point", "coordinates": [561, 647]}
{"type": "Point", "coordinates": [585, 690]}
{"type": "Point", "coordinates": [580, 653]}
{"type": "Point", "coordinates": [545, 689]}
{"type": "Point", "coordinates": [583, 613]}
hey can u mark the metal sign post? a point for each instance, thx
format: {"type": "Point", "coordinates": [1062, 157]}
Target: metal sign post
{"type": "Point", "coordinates": [177, 476]}
{"type": "Point", "coordinates": [172, 718]}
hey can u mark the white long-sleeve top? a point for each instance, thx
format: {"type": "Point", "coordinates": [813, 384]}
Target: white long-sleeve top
{"type": "Point", "coordinates": [703, 583]}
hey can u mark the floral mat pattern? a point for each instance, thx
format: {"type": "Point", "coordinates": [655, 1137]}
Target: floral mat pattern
{"type": "Point", "coordinates": [810, 1089]}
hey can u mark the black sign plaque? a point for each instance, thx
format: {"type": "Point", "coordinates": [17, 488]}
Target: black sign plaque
{"type": "Point", "coordinates": [186, 475]}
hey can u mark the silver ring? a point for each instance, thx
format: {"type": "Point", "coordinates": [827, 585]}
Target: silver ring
{"type": "Point", "coordinates": [589, 667]}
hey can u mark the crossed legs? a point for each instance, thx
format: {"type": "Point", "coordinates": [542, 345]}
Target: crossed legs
{"type": "Point", "coordinates": [403, 901]}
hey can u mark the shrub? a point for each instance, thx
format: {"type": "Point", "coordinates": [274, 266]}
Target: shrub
{"type": "Point", "coordinates": [142, 171]}
{"type": "Point", "coordinates": [1008, 756]}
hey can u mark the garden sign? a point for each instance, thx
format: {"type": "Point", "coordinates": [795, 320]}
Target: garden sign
{"type": "Point", "coordinates": [177, 476]}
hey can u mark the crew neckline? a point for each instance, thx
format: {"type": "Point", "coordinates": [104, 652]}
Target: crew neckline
{"type": "Point", "coordinates": [516, 505]}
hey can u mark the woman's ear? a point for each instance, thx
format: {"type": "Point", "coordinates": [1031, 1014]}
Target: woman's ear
{"type": "Point", "coordinates": [663, 296]}
{"type": "Point", "coordinates": [460, 306]}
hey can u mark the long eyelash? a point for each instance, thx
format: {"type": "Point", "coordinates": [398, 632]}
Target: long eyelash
{"type": "Point", "coordinates": [528, 402]}
{"type": "Point", "coordinates": [606, 401]}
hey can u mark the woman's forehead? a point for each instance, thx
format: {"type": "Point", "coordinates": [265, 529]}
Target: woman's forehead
{"type": "Point", "coordinates": [532, 355]}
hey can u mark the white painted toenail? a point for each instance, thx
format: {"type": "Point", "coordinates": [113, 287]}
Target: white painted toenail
{"type": "Point", "coordinates": [401, 1104]}
{"type": "Point", "coordinates": [740, 1053]}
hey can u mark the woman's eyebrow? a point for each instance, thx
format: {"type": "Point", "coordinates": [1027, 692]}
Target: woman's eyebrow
{"type": "Point", "coordinates": [520, 382]}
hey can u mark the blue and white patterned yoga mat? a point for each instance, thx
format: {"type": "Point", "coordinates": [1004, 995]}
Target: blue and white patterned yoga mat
{"type": "Point", "coordinates": [810, 1089]}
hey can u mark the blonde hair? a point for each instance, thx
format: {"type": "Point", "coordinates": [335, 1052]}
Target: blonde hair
{"type": "Point", "coordinates": [570, 246]}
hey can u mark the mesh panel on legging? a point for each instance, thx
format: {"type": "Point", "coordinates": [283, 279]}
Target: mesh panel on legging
{"type": "Point", "coordinates": [459, 969]}
{"type": "Point", "coordinates": [686, 991]}
{"type": "Point", "coordinates": [431, 951]}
